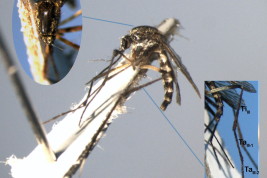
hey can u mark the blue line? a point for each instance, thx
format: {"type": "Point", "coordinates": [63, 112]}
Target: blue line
{"type": "Point", "coordinates": [174, 128]}
{"type": "Point", "coordinates": [107, 21]}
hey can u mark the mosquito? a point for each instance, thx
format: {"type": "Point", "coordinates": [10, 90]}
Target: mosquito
{"type": "Point", "coordinates": [48, 14]}
{"type": "Point", "coordinates": [224, 92]}
{"type": "Point", "coordinates": [147, 44]}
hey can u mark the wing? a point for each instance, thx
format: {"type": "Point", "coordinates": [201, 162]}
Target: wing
{"type": "Point", "coordinates": [181, 67]}
{"type": "Point", "coordinates": [230, 96]}
{"type": "Point", "coordinates": [178, 96]}
{"type": "Point", "coordinates": [246, 86]}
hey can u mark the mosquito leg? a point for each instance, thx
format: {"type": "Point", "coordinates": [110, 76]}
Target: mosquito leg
{"type": "Point", "coordinates": [73, 110]}
{"type": "Point", "coordinates": [53, 63]}
{"type": "Point", "coordinates": [141, 86]}
{"type": "Point", "coordinates": [95, 138]}
{"type": "Point", "coordinates": [207, 107]}
{"type": "Point", "coordinates": [65, 30]}
{"type": "Point", "coordinates": [115, 53]}
{"type": "Point", "coordinates": [241, 137]}
{"type": "Point", "coordinates": [79, 12]}
{"type": "Point", "coordinates": [224, 88]}
{"type": "Point", "coordinates": [120, 69]}
{"type": "Point", "coordinates": [211, 102]}
{"type": "Point", "coordinates": [150, 67]}
{"type": "Point", "coordinates": [219, 103]}
{"type": "Point", "coordinates": [125, 57]}
{"type": "Point", "coordinates": [103, 74]}
{"type": "Point", "coordinates": [227, 159]}
{"type": "Point", "coordinates": [213, 131]}
{"type": "Point", "coordinates": [234, 129]}
{"type": "Point", "coordinates": [125, 93]}
{"type": "Point", "coordinates": [61, 114]}
{"type": "Point", "coordinates": [69, 29]}
{"type": "Point", "coordinates": [83, 104]}
{"type": "Point", "coordinates": [49, 52]}
{"type": "Point", "coordinates": [218, 100]}
{"type": "Point", "coordinates": [97, 77]}
{"type": "Point", "coordinates": [46, 61]}
{"type": "Point", "coordinates": [71, 44]}
{"type": "Point", "coordinates": [213, 148]}
{"type": "Point", "coordinates": [207, 128]}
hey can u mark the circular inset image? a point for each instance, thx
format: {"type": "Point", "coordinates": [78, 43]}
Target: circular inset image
{"type": "Point", "coordinates": [47, 36]}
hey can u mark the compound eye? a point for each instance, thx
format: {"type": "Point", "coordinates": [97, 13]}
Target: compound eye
{"type": "Point", "coordinates": [125, 42]}
{"type": "Point", "coordinates": [135, 38]}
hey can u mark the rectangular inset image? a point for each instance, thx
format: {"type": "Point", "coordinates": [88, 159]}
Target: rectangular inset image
{"type": "Point", "coordinates": [231, 150]}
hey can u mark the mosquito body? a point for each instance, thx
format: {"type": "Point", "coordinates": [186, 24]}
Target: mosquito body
{"type": "Point", "coordinates": [147, 44]}
{"type": "Point", "coordinates": [224, 92]}
{"type": "Point", "coordinates": [147, 41]}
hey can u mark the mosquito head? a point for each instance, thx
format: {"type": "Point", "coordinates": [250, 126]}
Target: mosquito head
{"type": "Point", "coordinates": [126, 42]}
